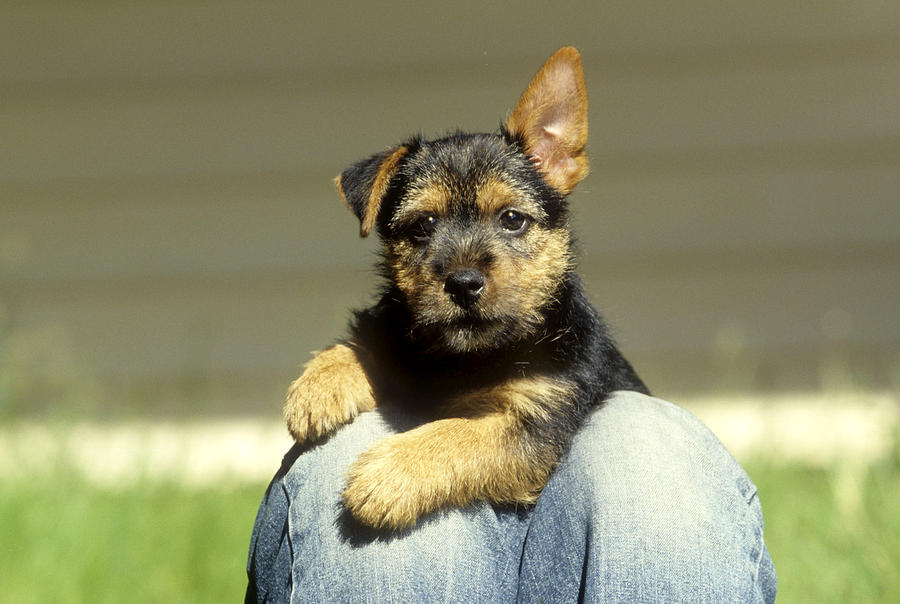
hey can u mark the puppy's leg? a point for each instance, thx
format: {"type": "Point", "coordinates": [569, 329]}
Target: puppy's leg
{"type": "Point", "coordinates": [488, 455]}
{"type": "Point", "coordinates": [332, 391]}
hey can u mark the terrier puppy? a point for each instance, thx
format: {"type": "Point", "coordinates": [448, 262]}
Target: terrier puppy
{"type": "Point", "coordinates": [482, 323]}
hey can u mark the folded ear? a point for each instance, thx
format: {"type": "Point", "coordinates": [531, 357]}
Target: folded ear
{"type": "Point", "coordinates": [551, 119]}
{"type": "Point", "coordinates": [364, 185]}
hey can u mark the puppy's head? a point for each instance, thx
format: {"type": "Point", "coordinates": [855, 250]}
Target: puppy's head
{"type": "Point", "coordinates": [474, 226]}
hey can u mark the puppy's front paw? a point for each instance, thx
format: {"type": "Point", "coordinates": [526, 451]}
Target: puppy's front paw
{"type": "Point", "coordinates": [390, 486]}
{"type": "Point", "coordinates": [332, 391]}
{"type": "Point", "coordinates": [448, 462]}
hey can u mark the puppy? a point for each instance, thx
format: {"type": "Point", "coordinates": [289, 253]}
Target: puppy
{"type": "Point", "coordinates": [482, 324]}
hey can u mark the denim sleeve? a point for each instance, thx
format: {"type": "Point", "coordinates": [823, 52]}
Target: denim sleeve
{"type": "Point", "coordinates": [305, 549]}
{"type": "Point", "coordinates": [270, 559]}
{"type": "Point", "coordinates": [647, 506]}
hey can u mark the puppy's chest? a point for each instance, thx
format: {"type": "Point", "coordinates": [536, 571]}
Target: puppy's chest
{"type": "Point", "coordinates": [453, 391]}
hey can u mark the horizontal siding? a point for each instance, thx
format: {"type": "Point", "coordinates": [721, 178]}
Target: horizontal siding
{"type": "Point", "coordinates": [247, 324]}
{"type": "Point", "coordinates": [179, 128]}
{"type": "Point", "coordinates": [51, 40]}
{"type": "Point", "coordinates": [280, 222]}
{"type": "Point", "coordinates": [166, 207]}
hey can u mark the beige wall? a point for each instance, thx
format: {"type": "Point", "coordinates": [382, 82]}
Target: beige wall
{"type": "Point", "coordinates": [168, 228]}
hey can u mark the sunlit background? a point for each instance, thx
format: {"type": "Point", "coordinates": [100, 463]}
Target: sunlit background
{"type": "Point", "coordinates": [171, 249]}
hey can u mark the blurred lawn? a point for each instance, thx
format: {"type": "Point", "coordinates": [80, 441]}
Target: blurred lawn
{"type": "Point", "coordinates": [70, 542]}
{"type": "Point", "coordinates": [834, 536]}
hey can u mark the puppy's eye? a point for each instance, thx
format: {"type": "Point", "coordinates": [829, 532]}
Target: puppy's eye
{"type": "Point", "coordinates": [513, 221]}
{"type": "Point", "coordinates": [423, 228]}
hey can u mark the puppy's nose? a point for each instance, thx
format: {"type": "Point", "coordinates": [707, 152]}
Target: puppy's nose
{"type": "Point", "coordinates": [464, 287]}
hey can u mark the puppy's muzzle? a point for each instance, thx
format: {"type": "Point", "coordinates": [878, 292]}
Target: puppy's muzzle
{"type": "Point", "coordinates": [465, 287]}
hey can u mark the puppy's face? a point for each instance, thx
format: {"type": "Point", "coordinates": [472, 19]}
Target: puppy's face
{"type": "Point", "coordinates": [476, 242]}
{"type": "Point", "coordinates": [474, 225]}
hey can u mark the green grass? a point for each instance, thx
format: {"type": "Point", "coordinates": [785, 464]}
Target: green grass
{"type": "Point", "coordinates": [834, 536]}
{"type": "Point", "coordinates": [69, 542]}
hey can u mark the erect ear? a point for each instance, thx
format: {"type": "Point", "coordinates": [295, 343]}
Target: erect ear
{"type": "Point", "coordinates": [364, 185]}
{"type": "Point", "coordinates": [551, 119]}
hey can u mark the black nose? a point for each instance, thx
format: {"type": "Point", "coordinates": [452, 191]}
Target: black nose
{"type": "Point", "coordinates": [465, 287]}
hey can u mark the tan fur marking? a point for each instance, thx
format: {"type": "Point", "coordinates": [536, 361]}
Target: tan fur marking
{"type": "Point", "coordinates": [496, 195]}
{"type": "Point", "coordinates": [529, 397]}
{"type": "Point", "coordinates": [459, 460]}
{"type": "Point", "coordinates": [551, 117]}
{"type": "Point", "coordinates": [379, 189]}
{"type": "Point", "coordinates": [332, 391]}
{"type": "Point", "coordinates": [340, 190]}
{"type": "Point", "coordinates": [432, 198]}
{"type": "Point", "coordinates": [537, 278]}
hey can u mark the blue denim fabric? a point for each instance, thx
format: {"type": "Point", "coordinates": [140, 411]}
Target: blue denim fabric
{"type": "Point", "coordinates": [647, 506]}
